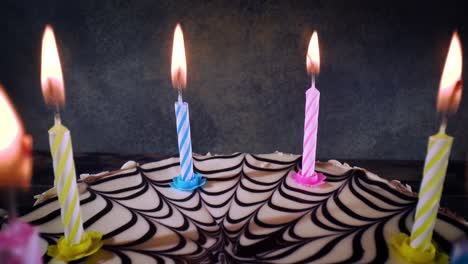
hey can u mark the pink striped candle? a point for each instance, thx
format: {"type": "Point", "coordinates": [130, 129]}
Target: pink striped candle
{"type": "Point", "coordinates": [310, 130]}
{"type": "Point", "coordinates": [308, 176]}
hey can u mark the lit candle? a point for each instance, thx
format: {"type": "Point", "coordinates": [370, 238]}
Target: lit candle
{"type": "Point", "coordinates": [19, 242]}
{"type": "Point", "coordinates": [438, 151]}
{"type": "Point", "coordinates": [60, 140]}
{"type": "Point", "coordinates": [308, 176]}
{"type": "Point", "coordinates": [418, 248]}
{"type": "Point", "coordinates": [76, 243]}
{"type": "Point", "coordinates": [188, 180]}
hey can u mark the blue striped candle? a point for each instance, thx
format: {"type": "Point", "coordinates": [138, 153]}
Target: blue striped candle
{"type": "Point", "coordinates": [187, 180]}
{"type": "Point", "coordinates": [184, 139]}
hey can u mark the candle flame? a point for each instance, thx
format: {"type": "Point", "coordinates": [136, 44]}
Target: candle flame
{"type": "Point", "coordinates": [179, 65]}
{"type": "Point", "coordinates": [53, 88]}
{"type": "Point", "coordinates": [450, 88]}
{"type": "Point", "coordinates": [313, 55]}
{"type": "Point", "coordinates": [10, 127]}
{"type": "Point", "coordinates": [15, 147]}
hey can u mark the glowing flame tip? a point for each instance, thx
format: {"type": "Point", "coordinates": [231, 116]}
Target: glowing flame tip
{"type": "Point", "coordinates": [313, 55]}
{"type": "Point", "coordinates": [179, 64]}
{"type": "Point", "coordinates": [10, 126]}
{"type": "Point", "coordinates": [450, 88]}
{"type": "Point", "coordinates": [51, 71]}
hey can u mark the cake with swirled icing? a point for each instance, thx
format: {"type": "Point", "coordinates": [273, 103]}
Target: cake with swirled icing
{"type": "Point", "coordinates": [249, 211]}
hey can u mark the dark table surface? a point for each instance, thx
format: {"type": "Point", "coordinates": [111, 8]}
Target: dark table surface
{"type": "Point", "coordinates": [455, 195]}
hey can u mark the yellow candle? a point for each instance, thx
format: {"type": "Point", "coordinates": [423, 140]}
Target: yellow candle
{"type": "Point", "coordinates": [65, 181]}
{"type": "Point", "coordinates": [60, 141]}
{"type": "Point", "coordinates": [438, 151]}
{"type": "Point", "coordinates": [435, 168]}
{"type": "Point", "coordinates": [76, 243]}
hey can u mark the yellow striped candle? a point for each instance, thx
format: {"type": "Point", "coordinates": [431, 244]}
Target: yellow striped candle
{"type": "Point", "coordinates": [435, 168]}
{"type": "Point", "coordinates": [438, 151]}
{"type": "Point", "coordinates": [418, 247]}
{"type": "Point", "coordinates": [75, 244]}
{"type": "Point", "coordinates": [65, 181]}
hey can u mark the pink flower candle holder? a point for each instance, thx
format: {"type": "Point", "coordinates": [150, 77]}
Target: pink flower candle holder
{"type": "Point", "coordinates": [19, 243]}
{"type": "Point", "coordinates": [313, 180]}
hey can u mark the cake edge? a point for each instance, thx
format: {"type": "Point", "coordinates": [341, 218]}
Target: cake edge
{"type": "Point", "coordinates": [332, 167]}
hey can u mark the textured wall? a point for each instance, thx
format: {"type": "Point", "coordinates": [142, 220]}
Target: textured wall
{"type": "Point", "coordinates": [381, 64]}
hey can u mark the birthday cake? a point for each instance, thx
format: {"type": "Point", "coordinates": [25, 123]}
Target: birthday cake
{"type": "Point", "coordinates": [249, 211]}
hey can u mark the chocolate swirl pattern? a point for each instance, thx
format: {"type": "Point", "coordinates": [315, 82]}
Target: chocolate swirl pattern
{"type": "Point", "coordinates": [249, 211]}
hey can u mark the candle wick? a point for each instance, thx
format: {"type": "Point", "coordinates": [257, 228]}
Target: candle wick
{"type": "Point", "coordinates": [11, 200]}
{"type": "Point", "coordinates": [179, 97]}
{"type": "Point", "coordinates": [443, 124]}
{"type": "Point", "coordinates": [312, 76]}
{"type": "Point", "coordinates": [57, 118]}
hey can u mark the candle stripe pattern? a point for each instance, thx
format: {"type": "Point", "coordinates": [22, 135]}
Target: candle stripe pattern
{"type": "Point", "coordinates": [184, 140]}
{"type": "Point", "coordinates": [435, 168]}
{"type": "Point", "coordinates": [310, 131]}
{"type": "Point", "coordinates": [65, 183]}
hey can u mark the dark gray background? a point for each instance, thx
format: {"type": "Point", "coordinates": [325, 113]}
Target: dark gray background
{"type": "Point", "coordinates": [381, 65]}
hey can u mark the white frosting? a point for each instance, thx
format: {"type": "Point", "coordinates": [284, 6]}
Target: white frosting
{"type": "Point", "coordinates": [250, 210]}
{"type": "Point", "coordinates": [129, 165]}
